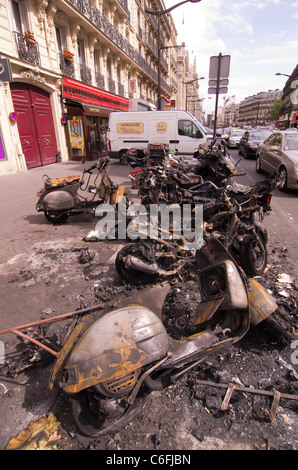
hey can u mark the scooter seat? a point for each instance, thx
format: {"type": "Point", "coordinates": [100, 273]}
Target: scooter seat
{"type": "Point", "coordinates": [60, 182]}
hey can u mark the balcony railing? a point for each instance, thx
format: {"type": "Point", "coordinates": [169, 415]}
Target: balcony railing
{"type": "Point", "coordinates": [120, 89]}
{"type": "Point", "coordinates": [67, 67]}
{"type": "Point", "coordinates": [100, 80]}
{"type": "Point", "coordinates": [27, 51]}
{"type": "Point", "coordinates": [112, 85]}
{"type": "Point", "coordinates": [86, 76]}
{"type": "Point", "coordinates": [174, 83]}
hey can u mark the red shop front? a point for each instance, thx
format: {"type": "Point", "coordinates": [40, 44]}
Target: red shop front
{"type": "Point", "coordinates": [87, 117]}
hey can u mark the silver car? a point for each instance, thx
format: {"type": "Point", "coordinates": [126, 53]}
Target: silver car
{"type": "Point", "coordinates": [279, 154]}
{"type": "Point", "coordinates": [235, 137]}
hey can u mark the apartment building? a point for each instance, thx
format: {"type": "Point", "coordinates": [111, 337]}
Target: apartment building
{"type": "Point", "coordinates": [72, 63]}
{"type": "Point", "coordinates": [289, 110]}
{"type": "Point", "coordinates": [255, 110]}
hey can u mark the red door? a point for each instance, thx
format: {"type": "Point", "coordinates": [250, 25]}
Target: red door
{"type": "Point", "coordinates": [35, 124]}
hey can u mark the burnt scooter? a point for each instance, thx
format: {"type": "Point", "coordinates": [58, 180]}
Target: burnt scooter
{"type": "Point", "coordinates": [62, 197]}
{"type": "Point", "coordinates": [232, 213]}
{"type": "Point", "coordinates": [136, 354]}
{"type": "Point", "coordinates": [115, 354]}
{"type": "Point", "coordinates": [234, 216]}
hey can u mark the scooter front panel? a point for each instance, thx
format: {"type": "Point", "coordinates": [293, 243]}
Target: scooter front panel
{"type": "Point", "coordinates": [118, 343]}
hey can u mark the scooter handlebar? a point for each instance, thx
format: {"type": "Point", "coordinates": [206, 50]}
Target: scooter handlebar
{"type": "Point", "coordinates": [98, 165]}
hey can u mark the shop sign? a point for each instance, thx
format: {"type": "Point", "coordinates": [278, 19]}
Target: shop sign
{"type": "Point", "coordinates": [82, 93]}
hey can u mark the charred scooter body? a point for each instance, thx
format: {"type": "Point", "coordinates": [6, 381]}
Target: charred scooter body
{"type": "Point", "coordinates": [62, 197]}
{"type": "Point", "coordinates": [109, 359]}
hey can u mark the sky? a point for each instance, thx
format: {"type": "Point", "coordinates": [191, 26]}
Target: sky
{"type": "Point", "coordinates": [261, 37]}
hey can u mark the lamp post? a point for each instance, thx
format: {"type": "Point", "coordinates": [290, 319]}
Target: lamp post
{"type": "Point", "coordinates": [193, 109]}
{"type": "Point", "coordinates": [284, 74]}
{"type": "Point", "coordinates": [187, 83]}
{"type": "Point", "coordinates": [159, 14]}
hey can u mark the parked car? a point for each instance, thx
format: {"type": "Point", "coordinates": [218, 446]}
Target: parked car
{"type": "Point", "coordinates": [279, 154]}
{"type": "Point", "coordinates": [250, 141]}
{"type": "Point", "coordinates": [234, 137]}
{"type": "Point", "coordinates": [225, 134]}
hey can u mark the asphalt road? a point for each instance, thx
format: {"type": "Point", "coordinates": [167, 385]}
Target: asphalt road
{"type": "Point", "coordinates": [282, 222]}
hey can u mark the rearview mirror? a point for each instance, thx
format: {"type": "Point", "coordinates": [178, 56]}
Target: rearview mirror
{"type": "Point", "coordinates": [274, 148]}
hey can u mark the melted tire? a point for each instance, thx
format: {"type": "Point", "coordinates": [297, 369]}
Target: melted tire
{"type": "Point", "coordinates": [56, 217]}
{"type": "Point", "coordinates": [279, 325]}
{"type": "Point", "coordinates": [91, 425]}
{"type": "Point", "coordinates": [126, 273]}
{"type": "Point", "coordinates": [253, 255]}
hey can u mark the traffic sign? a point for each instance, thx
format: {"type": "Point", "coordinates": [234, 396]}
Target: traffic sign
{"type": "Point", "coordinates": [5, 71]}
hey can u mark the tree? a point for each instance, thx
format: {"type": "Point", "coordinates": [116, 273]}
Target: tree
{"type": "Point", "coordinates": [276, 110]}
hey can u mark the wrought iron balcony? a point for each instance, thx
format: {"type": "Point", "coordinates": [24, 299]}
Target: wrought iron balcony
{"type": "Point", "coordinates": [27, 51]}
{"type": "Point", "coordinates": [120, 89]}
{"type": "Point", "coordinates": [112, 85]}
{"type": "Point", "coordinates": [86, 76]}
{"type": "Point", "coordinates": [67, 67]}
{"type": "Point", "coordinates": [174, 83]}
{"type": "Point", "coordinates": [100, 80]}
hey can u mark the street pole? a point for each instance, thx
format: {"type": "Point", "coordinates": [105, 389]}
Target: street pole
{"type": "Point", "coordinates": [217, 93]}
{"type": "Point", "coordinates": [158, 66]}
{"type": "Point", "coordinates": [187, 83]}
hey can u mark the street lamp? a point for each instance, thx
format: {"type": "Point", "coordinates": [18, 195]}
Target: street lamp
{"type": "Point", "coordinates": [159, 14]}
{"type": "Point", "coordinates": [191, 81]}
{"type": "Point", "coordinates": [284, 74]}
{"type": "Point", "coordinates": [187, 83]}
{"type": "Point", "coordinates": [193, 108]}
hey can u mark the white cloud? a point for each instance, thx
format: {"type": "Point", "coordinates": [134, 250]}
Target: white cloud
{"type": "Point", "coordinates": [228, 26]}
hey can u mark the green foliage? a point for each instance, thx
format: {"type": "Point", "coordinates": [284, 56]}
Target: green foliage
{"type": "Point", "coordinates": [276, 110]}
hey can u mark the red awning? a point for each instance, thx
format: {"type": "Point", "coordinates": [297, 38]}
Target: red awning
{"type": "Point", "coordinates": [78, 91]}
{"type": "Point", "coordinates": [294, 118]}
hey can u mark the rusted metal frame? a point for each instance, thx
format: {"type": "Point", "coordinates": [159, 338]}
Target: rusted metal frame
{"type": "Point", "coordinates": [28, 326]}
{"type": "Point", "coordinates": [33, 340]}
{"type": "Point", "coordinates": [276, 395]}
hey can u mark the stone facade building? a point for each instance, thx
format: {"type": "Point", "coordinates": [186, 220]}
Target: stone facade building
{"type": "Point", "coordinates": [255, 110]}
{"type": "Point", "coordinates": [289, 110]}
{"type": "Point", "coordinates": [72, 63]}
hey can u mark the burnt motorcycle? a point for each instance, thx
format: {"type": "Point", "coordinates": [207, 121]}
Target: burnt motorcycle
{"type": "Point", "coordinates": [74, 195]}
{"type": "Point", "coordinates": [235, 218]}
{"type": "Point", "coordinates": [113, 355]}
{"type": "Point", "coordinates": [214, 162]}
{"type": "Point", "coordinates": [233, 213]}
{"type": "Point", "coordinates": [141, 160]}
{"type": "Point", "coordinates": [136, 354]}
{"type": "Point", "coordinates": [148, 260]}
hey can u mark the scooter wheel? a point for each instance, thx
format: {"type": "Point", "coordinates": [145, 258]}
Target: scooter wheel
{"type": "Point", "coordinates": [56, 217]}
{"type": "Point", "coordinates": [91, 424]}
{"type": "Point", "coordinates": [127, 274]}
{"type": "Point", "coordinates": [279, 324]}
{"type": "Point", "coordinates": [253, 255]}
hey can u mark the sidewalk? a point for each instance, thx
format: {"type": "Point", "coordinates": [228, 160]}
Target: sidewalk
{"type": "Point", "coordinates": [39, 267]}
{"type": "Point", "coordinates": [40, 274]}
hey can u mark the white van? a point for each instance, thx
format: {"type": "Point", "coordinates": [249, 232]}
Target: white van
{"type": "Point", "coordinates": [180, 129]}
